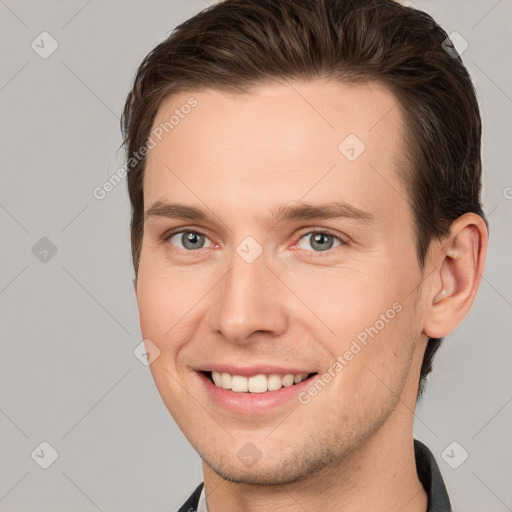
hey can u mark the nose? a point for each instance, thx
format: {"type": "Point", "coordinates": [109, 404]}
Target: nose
{"type": "Point", "coordinates": [248, 303]}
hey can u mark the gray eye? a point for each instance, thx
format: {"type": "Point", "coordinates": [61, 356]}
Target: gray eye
{"type": "Point", "coordinates": [319, 241]}
{"type": "Point", "coordinates": [189, 240]}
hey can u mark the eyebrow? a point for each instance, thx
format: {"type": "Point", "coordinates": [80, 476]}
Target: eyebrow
{"type": "Point", "coordinates": [299, 211]}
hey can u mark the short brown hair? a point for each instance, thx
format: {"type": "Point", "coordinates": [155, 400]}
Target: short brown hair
{"type": "Point", "coordinates": [237, 44]}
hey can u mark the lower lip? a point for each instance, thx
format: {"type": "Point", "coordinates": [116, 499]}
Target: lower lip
{"type": "Point", "coordinates": [254, 403]}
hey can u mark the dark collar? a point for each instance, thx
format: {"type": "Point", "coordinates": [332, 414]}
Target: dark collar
{"type": "Point", "coordinates": [430, 477]}
{"type": "Point", "coordinates": [428, 473]}
{"type": "Point", "coordinates": [192, 503]}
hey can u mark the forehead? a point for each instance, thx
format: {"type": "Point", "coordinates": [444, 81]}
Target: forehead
{"type": "Point", "coordinates": [278, 143]}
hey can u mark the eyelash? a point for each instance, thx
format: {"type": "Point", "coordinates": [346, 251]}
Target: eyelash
{"type": "Point", "coordinates": [311, 231]}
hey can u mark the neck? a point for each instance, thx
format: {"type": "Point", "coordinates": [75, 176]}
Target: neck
{"type": "Point", "coordinates": [379, 475]}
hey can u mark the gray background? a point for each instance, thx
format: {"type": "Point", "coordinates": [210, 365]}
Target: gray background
{"type": "Point", "coordinates": [68, 375]}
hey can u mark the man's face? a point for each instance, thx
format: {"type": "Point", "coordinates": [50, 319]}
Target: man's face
{"type": "Point", "coordinates": [248, 290]}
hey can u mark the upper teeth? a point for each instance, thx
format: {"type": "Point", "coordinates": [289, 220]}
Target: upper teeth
{"type": "Point", "coordinates": [258, 383]}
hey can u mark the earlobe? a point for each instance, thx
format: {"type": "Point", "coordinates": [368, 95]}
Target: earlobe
{"type": "Point", "coordinates": [458, 274]}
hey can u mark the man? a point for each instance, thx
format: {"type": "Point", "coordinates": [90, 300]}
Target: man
{"type": "Point", "coordinates": [306, 228]}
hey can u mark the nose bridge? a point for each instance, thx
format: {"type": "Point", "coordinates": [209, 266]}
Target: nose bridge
{"type": "Point", "coordinates": [246, 300]}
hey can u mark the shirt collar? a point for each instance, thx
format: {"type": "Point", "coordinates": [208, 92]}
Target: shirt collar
{"type": "Point", "coordinates": [430, 476]}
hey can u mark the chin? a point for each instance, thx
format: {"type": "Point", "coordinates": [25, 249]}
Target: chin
{"type": "Point", "coordinates": [293, 467]}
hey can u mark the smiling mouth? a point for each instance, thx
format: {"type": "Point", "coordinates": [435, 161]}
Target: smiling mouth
{"type": "Point", "coordinates": [261, 383]}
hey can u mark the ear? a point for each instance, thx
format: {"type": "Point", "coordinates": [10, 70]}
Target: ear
{"type": "Point", "coordinates": [458, 271]}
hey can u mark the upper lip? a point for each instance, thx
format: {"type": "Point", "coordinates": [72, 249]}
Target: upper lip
{"type": "Point", "coordinates": [249, 371]}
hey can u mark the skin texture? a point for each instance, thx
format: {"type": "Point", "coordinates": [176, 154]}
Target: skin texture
{"type": "Point", "coordinates": [238, 156]}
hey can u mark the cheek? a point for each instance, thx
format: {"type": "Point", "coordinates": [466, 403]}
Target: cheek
{"type": "Point", "coordinates": [371, 362]}
{"type": "Point", "coordinates": [367, 317]}
{"type": "Point", "coordinates": [155, 310]}
{"type": "Point", "coordinates": [162, 301]}
{"type": "Point", "coordinates": [348, 300]}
